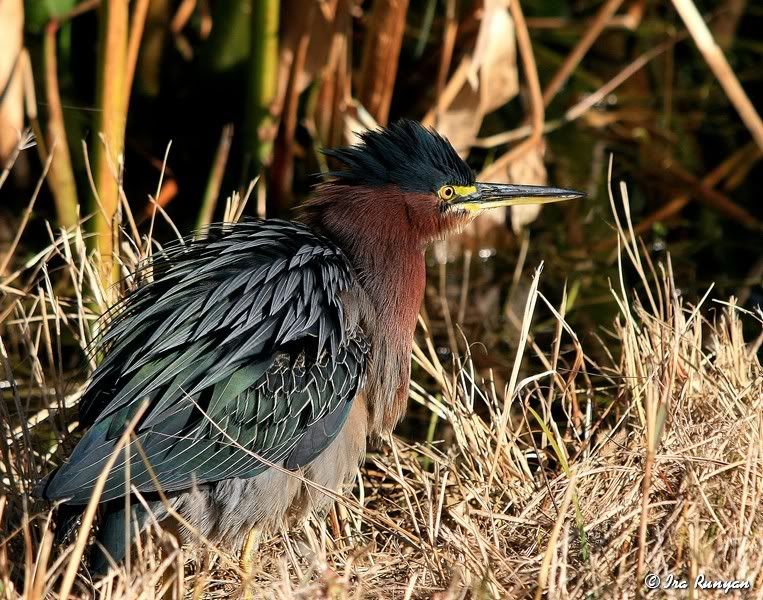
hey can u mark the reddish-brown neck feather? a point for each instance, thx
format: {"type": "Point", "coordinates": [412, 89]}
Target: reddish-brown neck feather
{"type": "Point", "coordinates": [383, 239]}
{"type": "Point", "coordinates": [384, 232]}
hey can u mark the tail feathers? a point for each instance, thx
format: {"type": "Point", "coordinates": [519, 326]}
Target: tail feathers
{"type": "Point", "coordinates": [68, 520]}
{"type": "Point", "coordinates": [112, 538]}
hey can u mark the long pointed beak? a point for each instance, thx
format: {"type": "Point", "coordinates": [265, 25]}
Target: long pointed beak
{"type": "Point", "coordinates": [495, 195]}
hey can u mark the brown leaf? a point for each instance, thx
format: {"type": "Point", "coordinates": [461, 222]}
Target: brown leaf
{"type": "Point", "coordinates": [528, 169]}
{"type": "Point", "coordinates": [11, 85]}
{"type": "Point", "coordinates": [483, 82]}
{"type": "Point", "coordinates": [461, 121]}
{"type": "Point", "coordinates": [495, 55]}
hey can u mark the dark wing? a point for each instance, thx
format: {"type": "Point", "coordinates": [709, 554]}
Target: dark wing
{"type": "Point", "coordinates": [240, 345]}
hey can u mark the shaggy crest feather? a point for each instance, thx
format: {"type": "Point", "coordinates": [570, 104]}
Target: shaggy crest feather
{"type": "Point", "coordinates": [405, 154]}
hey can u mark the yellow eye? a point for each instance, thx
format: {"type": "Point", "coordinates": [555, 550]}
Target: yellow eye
{"type": "Point", "coordinates": [446, 192]}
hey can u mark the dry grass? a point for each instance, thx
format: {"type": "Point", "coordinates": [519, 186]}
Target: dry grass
{"type": "Point", "coordinates": [575, 480]}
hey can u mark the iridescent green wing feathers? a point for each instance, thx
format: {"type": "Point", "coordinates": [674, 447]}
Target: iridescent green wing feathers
{"type": "Point", "coordinates": [243, 358]}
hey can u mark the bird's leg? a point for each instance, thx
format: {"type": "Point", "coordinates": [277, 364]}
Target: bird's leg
{"type": "Point", "coordinates": [247, 560]}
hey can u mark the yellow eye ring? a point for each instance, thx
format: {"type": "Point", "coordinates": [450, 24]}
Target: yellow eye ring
{"type": "Point", "coordinates": [446, 192]}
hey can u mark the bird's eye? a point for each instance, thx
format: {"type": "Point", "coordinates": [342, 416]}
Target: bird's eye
{"type": "Point", "coordinates": [447, 192]}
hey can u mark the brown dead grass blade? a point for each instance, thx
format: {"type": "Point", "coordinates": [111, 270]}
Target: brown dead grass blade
{"type": "Point", "coordinates": [577, 479]}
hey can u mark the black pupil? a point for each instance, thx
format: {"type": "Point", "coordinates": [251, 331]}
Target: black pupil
{"type": "Point", "coordinates": [448, 192]}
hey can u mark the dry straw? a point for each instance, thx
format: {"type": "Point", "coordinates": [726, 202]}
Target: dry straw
{"type": "Point", "coordinates": [575, 481]}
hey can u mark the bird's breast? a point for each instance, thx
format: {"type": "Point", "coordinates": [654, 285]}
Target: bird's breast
{"type": "Point", "coordinates": [395, 291]}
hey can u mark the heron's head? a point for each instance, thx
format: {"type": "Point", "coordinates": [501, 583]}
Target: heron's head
{"type": "Point", "coordinates": [408, 180]}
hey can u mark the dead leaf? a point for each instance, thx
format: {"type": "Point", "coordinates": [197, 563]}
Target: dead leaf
{"type": "Point", "coordinates": [495, 56]}
{"type": "Point", "coordinates": [528, 169]}
{"type": "Point", "coordinates": [482, 83]}
{"type": "Point", "coordinates": [461, 121]}
{"type": "Point", "coordinates": [11, 83]}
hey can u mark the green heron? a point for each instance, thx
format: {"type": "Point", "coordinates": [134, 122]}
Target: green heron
{"type": "Point", "coordinates": [271, 342]}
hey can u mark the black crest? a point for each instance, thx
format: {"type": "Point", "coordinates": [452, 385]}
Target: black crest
{"type": "Point", "coordinates": [405, 154]}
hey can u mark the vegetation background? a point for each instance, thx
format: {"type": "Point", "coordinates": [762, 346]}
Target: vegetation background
{"type": "Point", "coordinates": [125, 122]}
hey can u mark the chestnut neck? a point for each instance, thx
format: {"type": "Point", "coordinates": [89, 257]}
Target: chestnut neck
{"type": "Point", "coordinates": [377, 232]}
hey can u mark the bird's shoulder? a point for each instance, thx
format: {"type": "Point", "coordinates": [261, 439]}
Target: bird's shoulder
{"type": "Point", "coordinates": [240, 294]}
{"type": "Point", "coordinates": [247, 343]}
